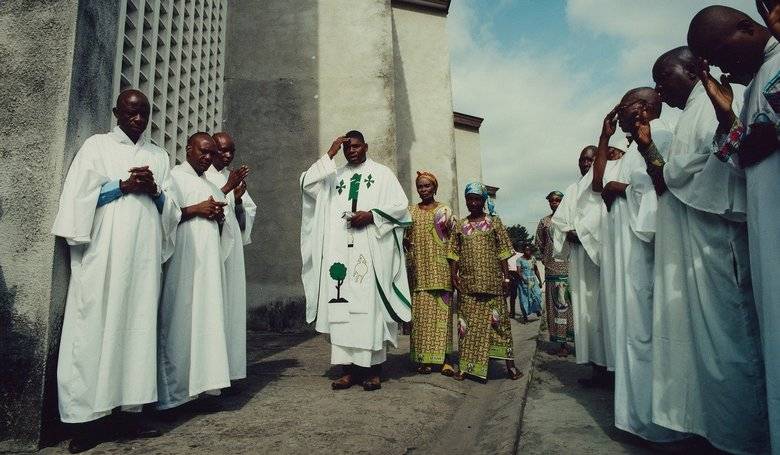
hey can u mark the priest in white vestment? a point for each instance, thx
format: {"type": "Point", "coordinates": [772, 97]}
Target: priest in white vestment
{"type": "Point", "coordinates": [627, 265]}
{"type": "Point", "coordinates": [192, 351]}
{"type": "Point", "coordinates": [242, 209]}
{"type": "Point", "coordinates": [750, 141]}
{"type": "Point", "coordinates": [118, 220]}
{"type": "Point", "coordinates": [581, 207]}
{"type": "Point", "coordinates": [354, 269]}
{"type": "Point", "coordinates": [706, 352]}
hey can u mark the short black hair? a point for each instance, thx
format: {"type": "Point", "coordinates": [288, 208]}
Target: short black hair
{"type": "Point", "coordinates": [355, 134]}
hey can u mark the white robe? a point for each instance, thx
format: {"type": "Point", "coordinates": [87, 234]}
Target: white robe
{"type": "Point", "coordinates": [376, 285]}
{"type": "Point", "coordinates": [763, 221]}
{"type": "Point", "coordinates": [599, 232]}
{"type": "Point", "coordinates": [192, 344]}
{"type": "Point", "coordinates": [107, 355]}
{"type": "Point", "coordinates": [706, 352]}
{"type": "Point", "coordinates": [235, 277]}
{"type": "Point", "coordinates": [629, 280]}
{"type": "Point", "coordinates": [578, 208]}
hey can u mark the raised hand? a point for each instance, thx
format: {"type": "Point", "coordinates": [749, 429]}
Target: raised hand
{"type": "Point", "coordinates": [640, 129]}
{"type": "Point", "coordinates": [235, 178]}
{"type": "Point", "coordinates": [720, 94]}
{"type": "Point", "coordinates": [239, 191]}
{"type": "Point", "coordinates": [770, 11]}
{"type": "Point", "coordinates": [336, 146]}
{"type": "Point", "coordinates": [609, 126]}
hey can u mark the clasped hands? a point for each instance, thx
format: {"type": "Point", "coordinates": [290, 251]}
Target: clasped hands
{"type": "Point", "coordinates": [141, 181]}
{"type": "Point", "coordinates": [210, 209]}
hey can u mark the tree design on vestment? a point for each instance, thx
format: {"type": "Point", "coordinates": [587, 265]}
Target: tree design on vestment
{"type": "Point", "coordinates": [338, 272]}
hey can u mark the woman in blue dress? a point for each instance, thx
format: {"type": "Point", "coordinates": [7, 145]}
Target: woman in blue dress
{"type": "Point", "coordinates": [528, 290]}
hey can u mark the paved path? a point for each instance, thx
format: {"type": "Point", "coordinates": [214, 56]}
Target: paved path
{"type": "Point", "coordinates": [287, 407]}
{"type": "Point", "coordinates": [562, 417]}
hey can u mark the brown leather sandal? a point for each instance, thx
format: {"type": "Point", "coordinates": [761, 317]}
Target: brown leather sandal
{"type": "Point", "coordinates": [514, 374]}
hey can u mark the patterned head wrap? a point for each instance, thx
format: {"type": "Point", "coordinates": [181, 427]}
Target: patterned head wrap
{"type": "Point", "coordinates": [554, 193]}
{"type": "Point", "coordinates": [429, 176]}
{"type": "Point", "coordinates": [481, 190]}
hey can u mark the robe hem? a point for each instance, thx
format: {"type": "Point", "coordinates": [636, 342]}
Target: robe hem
{"type": "Point", "coordinates": [95, 415]}
{"type": "Point", "coordinates": [639, 434]}
{"type": "Point", "coordinates": [704, 435]}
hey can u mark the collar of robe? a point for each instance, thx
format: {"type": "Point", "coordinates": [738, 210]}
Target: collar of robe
{"type": "Point", "coordinates": [122, 138]}
{"type": "Point", "coordinates": [187, 167]}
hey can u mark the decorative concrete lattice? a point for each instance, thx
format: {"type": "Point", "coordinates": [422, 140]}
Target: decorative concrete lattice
{"type": "Point", "coordinates": [174, 51]}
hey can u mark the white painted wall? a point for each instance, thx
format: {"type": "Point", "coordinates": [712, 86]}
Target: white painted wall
{"type": "Point", "coordinates": [469, 162]}
{"type": "Point", "coordinates": [423, 99]}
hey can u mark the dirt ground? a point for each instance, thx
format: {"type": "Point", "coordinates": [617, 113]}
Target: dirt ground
{"type": "Point", "coordinates": [286, 406]}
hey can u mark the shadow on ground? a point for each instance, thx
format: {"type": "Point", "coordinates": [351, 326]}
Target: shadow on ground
{"type": "Point", "coordinates": [563, 417]}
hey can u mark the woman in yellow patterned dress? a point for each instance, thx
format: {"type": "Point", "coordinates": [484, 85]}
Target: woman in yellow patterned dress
{"type": "Point", "coordinates": [429, 273]}
{"type": "Point", "coordinates": [478, 250]}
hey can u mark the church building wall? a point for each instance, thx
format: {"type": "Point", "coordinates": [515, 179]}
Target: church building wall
{"type": "Point", "coordinates": [423, 98]}
{"type": "Point", "coordinates": [468, 155]}
{"type": "Point", "coordinates": [296, 79]}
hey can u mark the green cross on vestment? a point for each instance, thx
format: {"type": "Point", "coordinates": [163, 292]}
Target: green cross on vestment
{"type": "Point", "coordinates": [341, 186]}
{"type": "Point", "coordinates": [369, 181]}
{"type": "Point", "coordinates": [354, 187]}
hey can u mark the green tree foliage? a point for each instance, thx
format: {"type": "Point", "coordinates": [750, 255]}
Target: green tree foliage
{"type": "Point", "coordinates": [519, 236]}
{"type": "Point", "coordinates": [338, 272]}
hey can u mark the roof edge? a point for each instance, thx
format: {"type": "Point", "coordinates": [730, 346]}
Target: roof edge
{"type": "Point", "coordinates": [437, 5]}
{"type": "Point", "coordinates": [467, 121]}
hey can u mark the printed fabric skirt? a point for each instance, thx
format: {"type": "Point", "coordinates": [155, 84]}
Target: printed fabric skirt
{"type": "Point", "coordinates": [560, 320]}
{"type": "Point", "coordinates": [431, 338]}
{"type": "Point", "coordinates": [485, 332]}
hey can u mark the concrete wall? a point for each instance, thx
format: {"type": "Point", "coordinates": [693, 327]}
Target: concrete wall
{"type": "Point", "coordinates": [291, 88]}
{"type": "Point", "coordinates": [42, 125]}
{"type": "Point", "coordinates": [469, 162]}
{"type": "Point", "coordinates": [423, 99]}
{"type": "Point", "coordinates": [356, 75]}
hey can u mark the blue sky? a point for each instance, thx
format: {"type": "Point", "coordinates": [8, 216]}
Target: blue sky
{"type": "Point", "coordinates": [543, 73]}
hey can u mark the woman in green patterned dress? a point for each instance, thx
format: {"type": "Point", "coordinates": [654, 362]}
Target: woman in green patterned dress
{"type": "Point", "coordinates": [479, 247]}
{"type": "Point", "coordinates": [556, 283]}
{"type": "Point", "coordinates": [429, 275]}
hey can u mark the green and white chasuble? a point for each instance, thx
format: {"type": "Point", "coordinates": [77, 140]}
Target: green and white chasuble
{"type": "Point", "coordinates": [354, 279]}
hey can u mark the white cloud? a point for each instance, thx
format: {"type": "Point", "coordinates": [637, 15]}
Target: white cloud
{"type": "Point", "coordinates": [646, 28]}
{"type": "Point", "coordinates": [539, 110]}
{"type": "Point", "coordinates": [538, 115]}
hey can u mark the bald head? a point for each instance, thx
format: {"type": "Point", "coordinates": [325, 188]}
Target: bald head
{"type": "Point", "coordinates": [675, 74]}
{"type": "Point", "coordinates": [728, 39]}
{"type": "Point", "coordinates": [615, 153]}
{"type": "Point", "coordinates": [132, 113]}
{"type": "Point", "coordinates": [634, 101]}
{"type": "Point", "coordinates": [587, 156]}
{"type": "Point", "coordinates": [201, 150]}
{"type": "Point", "coordinates": [227, 150]}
